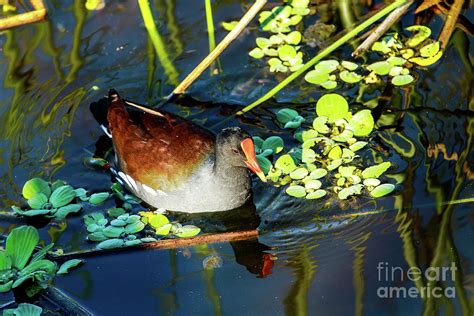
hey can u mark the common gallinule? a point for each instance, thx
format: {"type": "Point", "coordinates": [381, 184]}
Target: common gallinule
{"type": "Point", "coordinates": [169, 162]}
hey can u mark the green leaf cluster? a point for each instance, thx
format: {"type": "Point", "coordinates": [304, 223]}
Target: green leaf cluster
{"type": "Point", "coordinates": [282, 47]}
{"type": "Point", "coordinates": [18, 264]}
{"type": "Point", "coordinates": [55, 200]}
{"type": "Point", "coordinates": [327, 160]}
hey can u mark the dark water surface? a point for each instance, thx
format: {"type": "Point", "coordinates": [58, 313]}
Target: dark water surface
{"type": "Point", "coordinates": [326, 262]}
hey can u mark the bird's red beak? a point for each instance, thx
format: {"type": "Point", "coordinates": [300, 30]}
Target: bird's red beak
{"type": "Point", "coordinates": [252, 164]}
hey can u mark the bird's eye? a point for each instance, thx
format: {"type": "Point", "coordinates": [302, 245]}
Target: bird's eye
{"type": "Point", "coordinates": [235, 150]}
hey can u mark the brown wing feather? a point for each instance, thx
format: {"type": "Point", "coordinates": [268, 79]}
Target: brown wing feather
{"type": "Point", "coordinates": [159, 152]}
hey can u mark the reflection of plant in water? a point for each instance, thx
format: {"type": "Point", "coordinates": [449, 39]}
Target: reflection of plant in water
{"type": "Point", "coordinates": [296, 301]}
{"type": "Point", "coordinates": [331, 144]}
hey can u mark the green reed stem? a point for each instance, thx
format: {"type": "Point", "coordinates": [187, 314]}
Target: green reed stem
{"type": "Point", "coordinates": [211, 32]}
{"type": "Point", "coordinates": [325, 52]}
{"type": "Point", "coordinates": [158, 43]}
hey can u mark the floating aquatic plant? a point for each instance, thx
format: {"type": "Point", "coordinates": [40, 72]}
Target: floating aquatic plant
{"type": "Point", "coordinates": [18, 264]}
{"type": "Point", "coordinates": [400, 57]}
{"type": "Point", "coordinates": [55, 200]}
{"type": "Point", "coordinates": [282, 47]}
{"type": "Point", "coordinates": [24, 309]}
{"type": "Point", "coordinates": [122, 229]}
{"type": "Point", "coordinates": [326, 161]}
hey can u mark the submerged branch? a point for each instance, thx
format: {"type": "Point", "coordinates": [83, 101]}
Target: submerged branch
{"type": "Point", "coordinates": [380, 30]}
{"type": "Point", "coordinates": [244, 21]}
{"type": "Point", "coordinates": [171, 243]}
{"type": "Point", "coordinates": [63, 301]}
{"type": "Point", "coordinates": [25, 18]}
{"type": "Point", "coordinates": [450, 23]}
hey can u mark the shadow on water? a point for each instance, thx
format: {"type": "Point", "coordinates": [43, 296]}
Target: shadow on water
{"type": "Point", "coordinates": [323, 256]}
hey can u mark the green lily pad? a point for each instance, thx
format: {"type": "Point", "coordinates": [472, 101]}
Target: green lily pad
{"type": "Point", "coordinates": [357, 146]}
{"type": "Point", "coordinates": [293, 38]}
{"type": "Point", "coordinates": [329, 85]}
{"type": "Point", "coordinates": [24, 309]}
{"type": "Point", "coordinates": [285, 115]}
{"type": "Point", "coordinates": [64, 269]}
{"type": "Point", "coordinates": [111, 244]}
{"type": "Point", "coordinates": [134, 228]}
{"type": "Point", "coordinates": [312, 184]}
{"type": "Point", "coordinates": [64, 211]}
{"type": "Point", "coordinates": [421, 34]}
{"type": "Point", "coordinates": [349, 65]}
{"type": "Point", "coordinates": [112, 231]}
{"type": "Point", "coordinates": [295, 123]}
{"type": "Point", "coordinates": [347, 155]}
{"type": "Point", "coordinates": [285, 163]}
{"type": "Point", "coordinates": [308, 155]}
{"type": "Point", "coordinates": [382, 190]}
{"type": "Point", "coordinates": [362, 123]}
{"type": "Point", "coordinates": [316, 194]}
{"type": "Point", "coordinates": [319, 124]}
{"type": "Point", "coordinates": [62, 196]}
{"type": "Point", "coordinates": [376, 171]}
{"type": "Point", "coordinates": [316, 77]}
{"type": "Point", "coordinates": [430, 50]}
{"type": "Point", "coordinates": [350, 76]}
{"type": "Point", "coordinates": [308, 134]}
{"type": "Point", "coordinates": [426, 61]}
{"type": "Point", "coordinates": [346, 171]}
{"type": "Point", "coordinates": [318, 173]}
{"type": "Point", "coordinates": [296, 191]}
{"type": "Point", "coordinates": [163, 230]}
{"type": "Point", "coordinates": [35, 186]}
{"type": "Point", "coordinates": [335, 153]}
{"type": "Point", "coordinates": [93, 218]}
{"type": "Point", "coordinates": [333, 106]}
{"type": "Point", "coordinates": [344, 136]}
{"type": "Point", "coordinates": [352, 190]}
{"type": "Point", "coordinates": [258, 142]}
{"type": "Point", "coordinates": [256, 53]}
{"type": "Point", "coordinates": [299, 173]}
{"type": "Point", "coordinates": [118, 223]}
{"type": "Point", "coordinates": [275, 143]}
{"type": "Point", "coordinates": [188, 231]}
{"type": "Point", "coordinates": [99, 198]}
{"type": "Point", "coordinates": [20, 245]}
{"type": "Point", "coordinates": [371, 182]}
{"type": "Point", "coordinates": [38, 201]}
{"type": "Point", "coordinates": [402, 80]}
{"type": "Point", "coordinates": [115, 211]}
{"type": "Point", "coordinates": [264, 164]}
{"type": "Point", "coordinates": [334, 164]}
{"type": "Point", "coordinates": [381, 68]}
{"type": "Point", "coordinates": [326, 66]}
{"type": "Point", "coordinates": [396, 61]}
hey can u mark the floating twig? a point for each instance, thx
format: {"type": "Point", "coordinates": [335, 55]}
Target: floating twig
{"type": "Point", "coordinates": [239, 27]}
{"type": "Point", "coordinates": [380, 30]}
{"type": "Point", "coordinates": [450, 23]}
{"type": "Point", "coordinates": [169, 243]}
{"type": "Point", "coordinates": [143, 108]}
{"type": "Point", "coordinates": [36, 15]}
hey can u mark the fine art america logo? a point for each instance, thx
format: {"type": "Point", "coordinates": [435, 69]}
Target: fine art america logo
{"type": "Point", "coordinates": [430, 279]}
